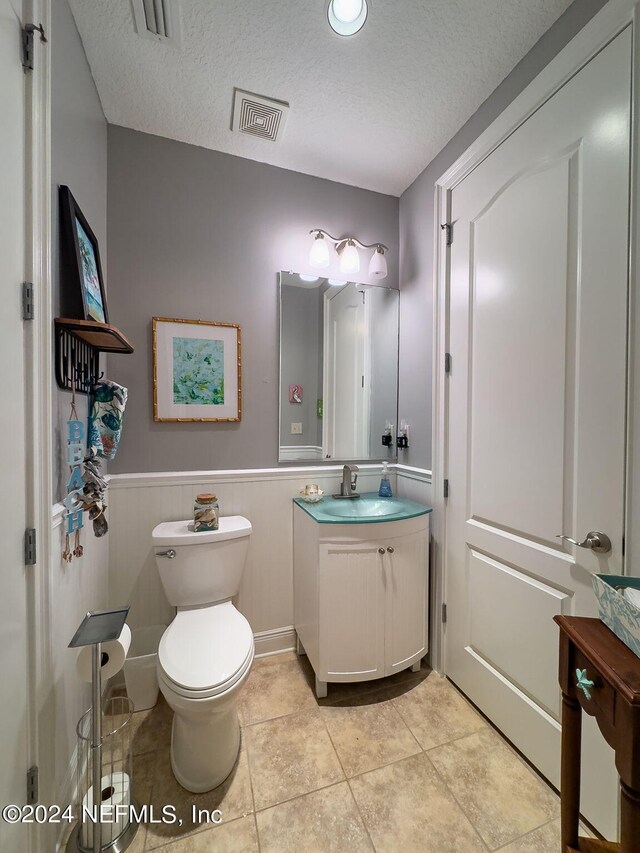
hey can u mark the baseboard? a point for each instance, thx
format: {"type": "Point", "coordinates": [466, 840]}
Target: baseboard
{"type": "Point", "coordinates": [276, 641]}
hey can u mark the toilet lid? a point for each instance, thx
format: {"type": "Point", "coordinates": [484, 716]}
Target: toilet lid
{"type": "Point", "coordinates": [206, 648]}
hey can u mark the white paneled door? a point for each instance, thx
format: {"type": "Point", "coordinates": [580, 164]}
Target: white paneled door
{"type": "Point", "coordinates": [536, 436]}
{"type": "Point", "coordinates": [13, 601]}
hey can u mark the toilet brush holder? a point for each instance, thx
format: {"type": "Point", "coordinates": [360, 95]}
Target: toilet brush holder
{"type": "Point", "coordinates": [104, 760]}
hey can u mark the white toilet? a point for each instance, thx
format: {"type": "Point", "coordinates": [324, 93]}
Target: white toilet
{"type": "Point", "coordinates": [206, 653]}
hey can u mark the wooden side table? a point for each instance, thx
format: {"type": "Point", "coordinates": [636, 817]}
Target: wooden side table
{"type": "Point", "coordinates": [607, 687]}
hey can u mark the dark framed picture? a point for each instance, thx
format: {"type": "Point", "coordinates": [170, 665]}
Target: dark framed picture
{"type": "Point", "coordinates": [82, 261]}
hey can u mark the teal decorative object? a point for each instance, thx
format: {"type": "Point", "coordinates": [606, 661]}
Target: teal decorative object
{"type": "Point", "coordinates": [73, 503]}
{"type": "Point", "coordinates": [585, 684]}
{"type": "Point", "coordinates": [616, 611]}
{"type": "Point", "coordinates": [105, 420]}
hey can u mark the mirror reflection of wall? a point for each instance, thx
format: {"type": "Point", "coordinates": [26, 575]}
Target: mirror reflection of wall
{"type": "Point", "coordinates": [338, 369]}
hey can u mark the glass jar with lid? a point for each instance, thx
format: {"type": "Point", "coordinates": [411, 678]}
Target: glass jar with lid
{"type": "Point", "coordinates": [205, 512]}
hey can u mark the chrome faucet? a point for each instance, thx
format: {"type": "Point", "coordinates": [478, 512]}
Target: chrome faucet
{"type": "Point", "coordinates": [348, 484]}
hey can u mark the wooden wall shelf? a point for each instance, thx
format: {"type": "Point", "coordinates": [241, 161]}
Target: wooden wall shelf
{"type": "Point", "coordinates": [78, 344]}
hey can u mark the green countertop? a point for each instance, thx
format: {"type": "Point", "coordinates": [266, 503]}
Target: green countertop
{"type": "Point", "coordinates": [367, 509]}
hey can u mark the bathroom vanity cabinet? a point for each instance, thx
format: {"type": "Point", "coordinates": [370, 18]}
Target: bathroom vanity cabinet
{"type": "Point", "coordinates": [360, 596]}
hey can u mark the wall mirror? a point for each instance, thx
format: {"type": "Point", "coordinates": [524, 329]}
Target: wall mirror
{"type": "Point", "coordinates": [338, 370]}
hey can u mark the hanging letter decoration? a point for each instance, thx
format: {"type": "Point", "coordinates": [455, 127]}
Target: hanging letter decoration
{"type": "Point", "coordinates": [76, 438]}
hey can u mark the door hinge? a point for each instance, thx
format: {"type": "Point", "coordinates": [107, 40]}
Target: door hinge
{"type": "Point", "coordinates": [448, 227]}
{"type": "Point", "coordinates": [28, 301]}
{"type": "Point", "coordinates": [444, 613]}
{"type": "Point", "coordinates": [447, 362]}
{"type": "Point", "coordinates": [32, 785]}
{"type": "Point", "coordinates": [30, 546]}
{"type": "Point", "coordinates": [27, 43]}
{"type": "Point", "coordinates": [445, 489]}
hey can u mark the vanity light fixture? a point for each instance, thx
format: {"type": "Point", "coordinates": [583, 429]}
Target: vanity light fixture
{"type": "Point", "coordinates": [347, 249]}
{"type": "Point", "coordinates": [347, 17]}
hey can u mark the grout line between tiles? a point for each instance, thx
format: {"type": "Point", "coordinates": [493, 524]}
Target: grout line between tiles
{"type": "Point", "coordinates": [255, 823]}
{"type": "Point", "coordinates": [519, 755]}
{"type": "Point", "coordinates": [253, 799]}
{"type": "Point", "coordinates": [464, 811]}
{"type": "Point", "coordinates": [460, 806]}
{"type": "Point", "coordinates": [364, 823]}
{"type": "Point", "coordinates": [526, 835]}
{"type": "Point", "coordinates": [299, 796]}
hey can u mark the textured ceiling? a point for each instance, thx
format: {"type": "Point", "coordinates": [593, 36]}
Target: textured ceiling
{"type": "Point", "coordinates": [372, 110]}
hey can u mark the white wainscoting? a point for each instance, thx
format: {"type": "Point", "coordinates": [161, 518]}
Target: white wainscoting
{"type": "Point", "coordinates": [293, 453]}
{"type": "Point", "coordinates": [137, 502]}
{"type": "Point", "coordinates": [413, 483]}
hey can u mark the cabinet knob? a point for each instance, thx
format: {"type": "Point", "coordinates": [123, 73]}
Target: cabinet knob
{"type": "Point", "coordinates": [390, 550]}
{"type": "Point", "coordinates": [584, 682]}
{"type": "Point", "coordinates": [380, 550]}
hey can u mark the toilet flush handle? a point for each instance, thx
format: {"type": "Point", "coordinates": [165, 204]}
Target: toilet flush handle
{"type": "Point", "coordinates": [170, 554]}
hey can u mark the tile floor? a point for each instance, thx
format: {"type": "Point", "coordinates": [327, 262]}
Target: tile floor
{"type": "Point", "coordinates": [402, 765]}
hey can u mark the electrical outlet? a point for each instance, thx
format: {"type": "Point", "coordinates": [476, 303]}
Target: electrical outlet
{"type": "Point", "coordinates": [296, 429]}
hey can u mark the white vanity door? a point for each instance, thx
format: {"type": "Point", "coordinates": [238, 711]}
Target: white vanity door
{"type": "Point", "coordinates": [406, 578]}
{"type": "Point", "coordinates": [351, 612]}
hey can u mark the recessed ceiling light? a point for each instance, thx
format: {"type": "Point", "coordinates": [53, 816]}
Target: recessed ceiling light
{"type": "Point", "coordinates": [308, 277]}
{"type": "Point", "coordinates": [347, 17]}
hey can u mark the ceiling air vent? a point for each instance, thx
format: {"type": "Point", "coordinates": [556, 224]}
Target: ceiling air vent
{"type": "Point", "coordinates": [259, 116]}
{"type": "Point", "coordinates": [157, 19]}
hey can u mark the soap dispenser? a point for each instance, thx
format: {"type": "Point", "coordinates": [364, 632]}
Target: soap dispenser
{"type": "Point", "coordinates": [385, 490]}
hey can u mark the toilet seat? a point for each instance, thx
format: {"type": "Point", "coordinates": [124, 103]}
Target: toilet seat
{"type": "Point", "coordinates": [205, 651]}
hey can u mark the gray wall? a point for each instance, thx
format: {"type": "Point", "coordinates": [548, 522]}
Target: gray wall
{"type": "Point", "coordinates": [417, 228]}
{"type": "Point", "coordinates": [78, 159]}
{"type": "Point", "coordinates": [384, 309]}
{"type": "Point", "coordinates": [198, 234]}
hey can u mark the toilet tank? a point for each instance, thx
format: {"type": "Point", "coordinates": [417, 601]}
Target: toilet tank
{"type": "Point", "coordinates": [201, 568]}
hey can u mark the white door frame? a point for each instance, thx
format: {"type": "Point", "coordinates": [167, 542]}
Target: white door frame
{"type": "Point", "coordinates": [605, 26]}
{"type": "Point", "coordinates": [39, 390]}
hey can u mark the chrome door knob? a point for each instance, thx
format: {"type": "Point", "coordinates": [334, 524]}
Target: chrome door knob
{"type": "Point", "coordinates": [595, 541]}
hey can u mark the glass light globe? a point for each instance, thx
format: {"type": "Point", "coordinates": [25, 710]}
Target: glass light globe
{"type": "Point", "coordinates": [319, 254]}
{"type": "Point", "coordinates": [347, 10]}
{"type": "Point", "coordinates": [347, 17]}
{"type": "Point", "coordinates": [349, 259]}
{"type": "Point", "coordinates": [378, 264]}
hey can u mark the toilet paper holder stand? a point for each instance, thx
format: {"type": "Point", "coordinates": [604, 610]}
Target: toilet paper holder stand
{"type": "Point", "coordinates": [98, 627]}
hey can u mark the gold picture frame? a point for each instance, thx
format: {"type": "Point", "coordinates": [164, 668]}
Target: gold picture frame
{"type": "Point", "coordinates": [197, 366]}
